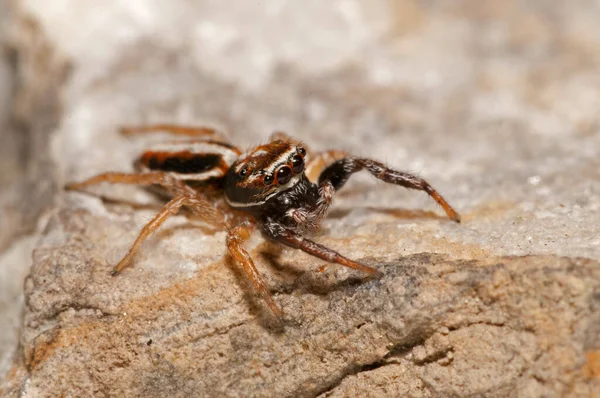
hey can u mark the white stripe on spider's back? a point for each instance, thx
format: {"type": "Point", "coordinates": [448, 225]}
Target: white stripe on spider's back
{"type": "Point", "coordinates": [189, 160]}
{"type": "Point", "coordinates": [229, 153]}
{"type": "Point", "coordinates": [282, 159]}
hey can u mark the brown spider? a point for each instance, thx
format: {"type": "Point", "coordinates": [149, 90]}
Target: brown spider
{"type": "Point", "coordinates": [268, 187]}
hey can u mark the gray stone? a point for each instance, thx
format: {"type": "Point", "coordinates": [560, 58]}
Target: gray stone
{"type": "Point", "coordinates": [494, 103]}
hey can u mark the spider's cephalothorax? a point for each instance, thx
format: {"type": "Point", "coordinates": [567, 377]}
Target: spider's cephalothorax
{"type": "Point", "coordinates": [264, 172]}
{"type": "Point", "coordinates": [269, 184]}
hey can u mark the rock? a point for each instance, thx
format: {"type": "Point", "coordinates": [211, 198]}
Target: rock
{"type": "Point", "coordinates": [514, 324]}
{"type": "Point", "coordinates": [494, 103]}
{"type": "Point", "coordinates": [29, 82]}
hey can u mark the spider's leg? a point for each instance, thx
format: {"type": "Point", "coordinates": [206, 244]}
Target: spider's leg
{"type": "Point", "coordinates": [196, 202]}
{"type": "Point", "coordinates": [281, 136]}
{"type": "Point", "coordinates": [235, 239]}
{"type": "Point", "coordinates": [150, 178]}
{"type": "Point", "coordinates": [320, 161]}
{"type": "Point", "coordinates": [173, 130]}
{"type": "Point", "coordinates": [339, 172]}
{"type": "Point", "coordinates": [290, 238]}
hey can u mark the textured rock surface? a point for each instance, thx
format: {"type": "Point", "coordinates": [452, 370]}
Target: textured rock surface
{"type": "Point", "coordinates": [495, 103]}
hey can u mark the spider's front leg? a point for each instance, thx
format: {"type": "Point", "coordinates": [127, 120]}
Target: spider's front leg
{"type": "Point", "coordinates": [340, 171]}
{"type": "Point", "coordinates": [235, 240]}
{"type": "Point", "coordinates": [283, 235]}
{"type": "Point", "coordinates": [320, 161]}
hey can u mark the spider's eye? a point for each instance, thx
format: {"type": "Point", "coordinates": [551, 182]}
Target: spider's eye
{"type": "Point", "coordinates": [243, 172]}
{"type": "Point", "coordinates": [301, 151]}
{"type": "Point", "coordinates": [284, 175]}
{"type": "Point", "coordinates": [297, 164]}
{"type": "Point", "coordinates": [268, 179]}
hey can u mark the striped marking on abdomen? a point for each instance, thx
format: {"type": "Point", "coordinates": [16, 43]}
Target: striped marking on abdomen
{"type": "Point", "coordinates": [190, 160]}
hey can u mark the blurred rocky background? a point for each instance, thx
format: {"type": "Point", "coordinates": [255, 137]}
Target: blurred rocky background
{"type": "Point", "coordinates": [495, 103]}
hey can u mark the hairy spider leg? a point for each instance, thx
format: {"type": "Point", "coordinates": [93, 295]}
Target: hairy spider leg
{"type": "Point", "coordinates": [186, 196]}
{"type": "Point", "coordinates": [194, 201]}
{"type": "Point", "coordinates": [149, 178]}
{"type": "Point", "coordinates": [235, 239]}
{"type": "Point", "coordinates": [281, 136]}
{"type": "Point", "coordinates": [320, 161]}
{"type": "Point", "coordinates": [292, 239]}
{"type": "Point", "coordinates": [340, 171]}
{"type": "Point", "coordinates": [172, 129]}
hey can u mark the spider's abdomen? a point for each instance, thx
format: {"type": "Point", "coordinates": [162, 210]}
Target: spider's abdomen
{"type": "Point", "coordinates": [185, 162]}
{"type": "Point", "coordinates": [190, 161]}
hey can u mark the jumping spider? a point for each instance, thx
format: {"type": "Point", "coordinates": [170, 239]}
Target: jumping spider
{"type": "Point", "coordinates": [268, 187]}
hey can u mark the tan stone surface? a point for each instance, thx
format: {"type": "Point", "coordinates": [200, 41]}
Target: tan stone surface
{"type": "Point", "coordinates": [495, 103]}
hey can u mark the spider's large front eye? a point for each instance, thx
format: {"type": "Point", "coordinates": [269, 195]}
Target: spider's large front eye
{"type": "Point", "coordinates": [297, 164]}
{"type": "Point", "coordinates": [284, 175]}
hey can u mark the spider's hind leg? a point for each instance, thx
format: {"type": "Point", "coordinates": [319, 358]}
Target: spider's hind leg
{"type": "Point", "coordinates": [195, 202]}
{"type": "Point", "coordinates": [149, 178]}
{"type": "Point", "coordinates": [340, 171]}
{"type": "Point", "coordinates": [173, 129]}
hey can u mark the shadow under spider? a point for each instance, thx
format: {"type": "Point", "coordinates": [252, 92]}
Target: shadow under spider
{"type": "Point", "coordinates": [304, 280]}
{"type": "Point", "coordinates": [316, 282]}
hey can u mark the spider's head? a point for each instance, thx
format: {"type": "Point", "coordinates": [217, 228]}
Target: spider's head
{"type": "Point", "coordinates": [264, 172]}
